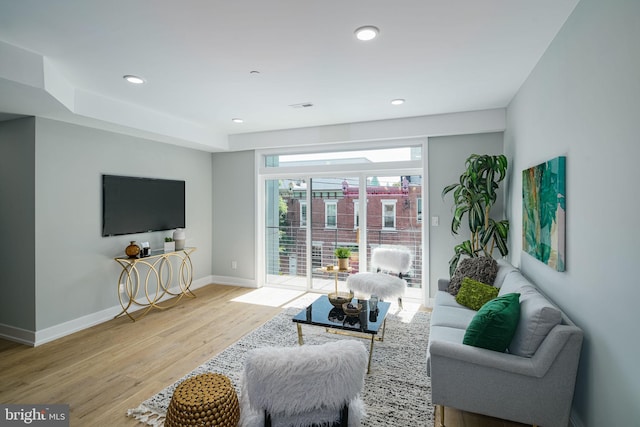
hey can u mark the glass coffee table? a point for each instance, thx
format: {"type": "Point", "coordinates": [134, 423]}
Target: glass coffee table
{"type": "Point", "coordinates": [365, 325]}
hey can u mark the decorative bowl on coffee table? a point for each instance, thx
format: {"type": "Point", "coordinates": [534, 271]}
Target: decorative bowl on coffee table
{"type": "Point", "coordinates": [352, 311]}
{"type": "Point", "coordinates": [338, 298]}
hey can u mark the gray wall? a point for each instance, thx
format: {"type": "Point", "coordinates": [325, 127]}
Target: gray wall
{"type": "Point", "coordinates": [582, 100]}
{"type": "Point", "coordinates": [75, 271]}
{"type": "Point", "coordinates": [447, 156]}
{"type": "Point", "coordinates": [17, 223]}
{"type": "Point", "coordinates": [234, 211]}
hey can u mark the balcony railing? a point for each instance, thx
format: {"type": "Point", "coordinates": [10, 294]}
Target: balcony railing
{"type": "Point", "coordinates": [290, 257]}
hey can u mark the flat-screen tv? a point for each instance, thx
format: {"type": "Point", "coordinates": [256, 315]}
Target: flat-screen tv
{"type": "Point", "coordinates": [138, 205]}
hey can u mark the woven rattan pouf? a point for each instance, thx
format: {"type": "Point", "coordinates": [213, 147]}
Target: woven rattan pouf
{"type": "Point", "coordinates": [204, 400]}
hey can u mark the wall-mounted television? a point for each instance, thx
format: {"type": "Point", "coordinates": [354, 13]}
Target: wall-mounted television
{"type": "Point", "coordinates": [138, 205]}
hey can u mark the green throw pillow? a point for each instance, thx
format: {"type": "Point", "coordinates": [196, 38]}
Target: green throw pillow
{"type": "Point", "coordinates": [494, 324]}
{"type": "Point", "coordinates": [474, 294]}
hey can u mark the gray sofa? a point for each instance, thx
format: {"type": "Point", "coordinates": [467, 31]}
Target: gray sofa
{"type": "Point", "coordinates": [532, 382]}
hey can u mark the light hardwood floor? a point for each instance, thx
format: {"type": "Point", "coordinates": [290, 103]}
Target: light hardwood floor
{"type": "Point", "coordinates": [105, 370]}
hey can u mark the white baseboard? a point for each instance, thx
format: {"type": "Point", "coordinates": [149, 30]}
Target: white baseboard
{"type": "Point", "coordinates": [19, 335]}
{"type": "Point", "coordinates": [234, 281]}
{"type": "Point", "coordinates": [60, 330]}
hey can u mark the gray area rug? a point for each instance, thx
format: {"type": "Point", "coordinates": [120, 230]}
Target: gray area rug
{"type": "Point", "coordinates": [397, 392]}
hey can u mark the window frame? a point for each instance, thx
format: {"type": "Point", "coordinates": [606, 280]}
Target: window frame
{"type": "Point", "coordinates": [303, 213]}
{"type": "Point", "coordinates": [327, 204]}
{"type": "Point", "coordinates": [356, 214]}
{"type": "Point", "coordinates": [384, 203]}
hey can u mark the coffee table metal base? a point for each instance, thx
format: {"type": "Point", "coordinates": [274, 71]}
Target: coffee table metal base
{"type": "Point", "coordinates": [371, 337]}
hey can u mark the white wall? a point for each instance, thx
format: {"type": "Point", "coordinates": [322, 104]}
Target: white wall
{"type": "Point", "coordinates": [582, 100]}
{"type": "Point", "coordinates": [76, 274]}
{"type": "Point", "coordinates": [447, 156]}
{"type": "Point", "coordinates": [17, 221]}
{"type": "Point", "coordinates": [234, 218]}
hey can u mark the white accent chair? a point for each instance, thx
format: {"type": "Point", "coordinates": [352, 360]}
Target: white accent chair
{"type": "Point", "coordinates": [304, 386]}
{"type": "Point", "coordinates": [390, 263]}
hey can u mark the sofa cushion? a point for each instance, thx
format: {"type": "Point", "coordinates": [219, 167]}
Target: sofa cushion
{"type": "Point", "coordinates": [474, 294]}
{"type": "Point", "coordinates": [494, 324]}
{"type": "Point", "coordinates": [482, 269]}
{"type": "Point", "coordinates": [504, 269]}
{"type": "Point", "coordinates": [453, 317]}
{"type": "Point", "coordinates": [537, 317]}
{"type": "Point", "coordinates": [446, 299]}
{"type": "Point", "coordinates": [514, 283]}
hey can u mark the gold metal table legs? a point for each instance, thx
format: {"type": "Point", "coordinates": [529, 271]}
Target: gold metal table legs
{"type": "Point", "coordinates": [147, 282]}
{"type": "Point", "coordinates": [371, 337]}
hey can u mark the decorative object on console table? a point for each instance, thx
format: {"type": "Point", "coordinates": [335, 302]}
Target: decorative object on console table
{"type": "Point", "coordinates": [146, 249]}
{"type": "Point", "coordinates": [179, 237]}
{"type": "Point", "coordinates": [133, 250]}
{"type": "Point", "coordinates": [343, 255]}
{"type": "Point", "coordinates": [169, 244]}
{"type": "Point", "coordinates": [543, 212]}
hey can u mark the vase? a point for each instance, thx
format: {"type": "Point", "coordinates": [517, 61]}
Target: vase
{"type": "Point", "coordinates": [133, 250]}
{"type": "Point", "coordinates": [179, 237]}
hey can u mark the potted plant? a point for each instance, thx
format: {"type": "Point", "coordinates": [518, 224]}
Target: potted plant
{"type": "Point", "coordinates": [169, 244]}
{"type": "Point", "coordinates": [473, 196]}
{"type": "Point", "coordinates": [343, 255]}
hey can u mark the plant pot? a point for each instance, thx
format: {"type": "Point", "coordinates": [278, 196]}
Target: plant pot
{"type": "Point", "coordinates": [169, 246]}
{"type": "Point", "coordinates": [343, 263]}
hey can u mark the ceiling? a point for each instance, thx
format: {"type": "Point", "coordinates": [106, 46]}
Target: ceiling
{"type": "Point", "coordinates": [66, 59]}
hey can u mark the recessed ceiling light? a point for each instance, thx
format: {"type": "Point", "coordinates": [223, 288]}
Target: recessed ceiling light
{"type": "Point", "coordinates": [398, 101]}
{"type": "Point", "coordinates": [367, 33]}
{"type": "Point", "coordinates": [237, 120]}
{"type": "Point", "coordinates": [133, 79]}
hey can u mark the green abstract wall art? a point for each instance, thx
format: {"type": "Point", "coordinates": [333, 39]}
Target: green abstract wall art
{"type": "Point", "coordinates": [543, 212]}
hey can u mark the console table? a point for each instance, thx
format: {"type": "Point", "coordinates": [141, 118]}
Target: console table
{"type": "Point", "coordinates": [145, 281]}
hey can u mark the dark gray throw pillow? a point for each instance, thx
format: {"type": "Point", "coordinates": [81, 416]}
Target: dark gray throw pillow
{"type": "Point", "coordinates": [483, 269]}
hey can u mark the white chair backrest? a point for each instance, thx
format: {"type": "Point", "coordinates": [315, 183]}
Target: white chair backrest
{"type": "Point", "coordinates": [391, 258]}
{"type": "Point", "coordinates": [305, 378]}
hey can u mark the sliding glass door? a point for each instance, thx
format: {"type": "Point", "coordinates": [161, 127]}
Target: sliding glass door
{"type": "Point", "coordinates": [286, 232]}
{"type": "Point", "coordinates": [308, 214]}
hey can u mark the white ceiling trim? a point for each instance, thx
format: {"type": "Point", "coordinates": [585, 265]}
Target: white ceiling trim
{"type": "Point", "coordinates": [483, 121]}
{"type": "Point", "coordinates": [22, 69]}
